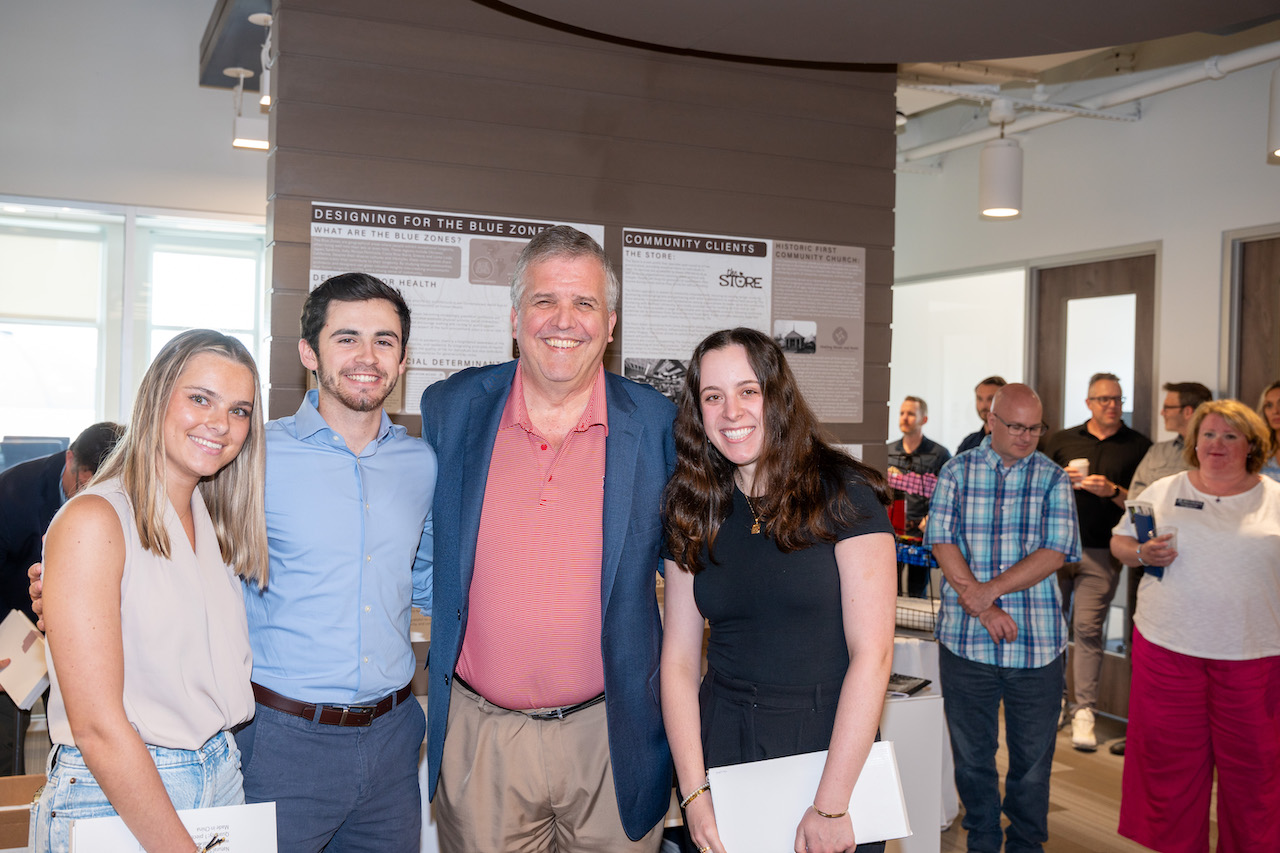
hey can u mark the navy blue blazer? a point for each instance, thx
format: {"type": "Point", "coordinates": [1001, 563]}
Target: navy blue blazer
{"type": "Point", "coordinates": [460, 419]}
{"type": "Point", "coordinates": [30, 496]}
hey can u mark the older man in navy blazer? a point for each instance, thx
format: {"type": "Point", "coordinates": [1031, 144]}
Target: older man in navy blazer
{"type": "Point", "coordinates": [545, 634]}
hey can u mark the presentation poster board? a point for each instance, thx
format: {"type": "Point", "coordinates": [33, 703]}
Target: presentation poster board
{"type": "Point", "coordinates": [679, 287]}
{"type": "Point", "coordinates": [820, 298]}
{"type": "Point", "coordinates": [454, 271]}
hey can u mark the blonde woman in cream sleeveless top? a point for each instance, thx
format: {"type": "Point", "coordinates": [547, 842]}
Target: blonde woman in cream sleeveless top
{"type": "Point", "coordinates": [149, 652]}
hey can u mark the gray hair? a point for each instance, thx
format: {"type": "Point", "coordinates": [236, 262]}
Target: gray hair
{"type": "Point", "coordinates": [563, 241]}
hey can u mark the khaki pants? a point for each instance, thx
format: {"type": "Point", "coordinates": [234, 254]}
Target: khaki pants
{"type": "Point", "coordinates": [1087, 589]}
{"type": "Point", "coordinates": [510, 784]}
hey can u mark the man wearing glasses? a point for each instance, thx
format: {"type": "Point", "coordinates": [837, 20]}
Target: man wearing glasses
{"type": "Point", "coordinates": [1001, 523]}
{"type": "Point", "coordinates": [1100, 457]}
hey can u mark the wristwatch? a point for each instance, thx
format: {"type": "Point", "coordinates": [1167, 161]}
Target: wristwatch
{"type": "Point", "coordinates": [1116, 486]}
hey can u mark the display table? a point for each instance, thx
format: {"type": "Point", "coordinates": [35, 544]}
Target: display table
{"type": "Point", "coordinates": [917, 656]}
{"type": "Point", "coordinates": [915, 725]}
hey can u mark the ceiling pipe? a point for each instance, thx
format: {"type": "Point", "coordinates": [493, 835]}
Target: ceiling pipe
{"type": "Point", "coordinates": [1213, 68]}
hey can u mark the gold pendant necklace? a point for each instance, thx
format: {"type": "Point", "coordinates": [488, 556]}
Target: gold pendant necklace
{"type": "Point", "coordinates": [755, 527]}
{"type": "Point", "coordinates": [755, 517]}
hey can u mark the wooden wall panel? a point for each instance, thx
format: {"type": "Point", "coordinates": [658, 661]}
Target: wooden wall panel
{"type": "Point", "coordinates": [451, 105]}
{"type": "Point", "coordinates": [433, 139]}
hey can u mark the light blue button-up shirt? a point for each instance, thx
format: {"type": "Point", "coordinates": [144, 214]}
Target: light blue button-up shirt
{"type": "Point", "coordinates": [350, 539]}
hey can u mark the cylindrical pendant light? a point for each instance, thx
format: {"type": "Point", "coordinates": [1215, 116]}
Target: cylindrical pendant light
{"type": "Point", "coordinates": [1000, 179]}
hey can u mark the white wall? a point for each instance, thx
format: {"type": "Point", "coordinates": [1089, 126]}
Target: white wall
{"type": "Point", "coordinates": [102, 103]}
{"type": "Point", "coordinates": [960, 331]}
{"type": "Point", "coordinates": [1193, 168]}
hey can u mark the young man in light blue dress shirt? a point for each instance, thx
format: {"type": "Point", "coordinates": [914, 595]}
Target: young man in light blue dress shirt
{"type": "Point", "coordinates": [335, 738]}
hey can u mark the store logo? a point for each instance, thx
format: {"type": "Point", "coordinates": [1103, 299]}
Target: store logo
{"type": "Point", "coordinates": [733, 278]}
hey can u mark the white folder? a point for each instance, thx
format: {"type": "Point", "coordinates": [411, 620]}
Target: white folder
{"type": "Point", "coordinates": [759, 804]}
{"type": "Point", "coordinates": [27, 674]}
{"type": "Point", "coordinates": [249, 828]}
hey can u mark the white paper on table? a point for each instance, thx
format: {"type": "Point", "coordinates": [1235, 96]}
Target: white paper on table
{"type": "Point", "coordinates": [759, 804]}
{"type": "Point", "coordinates": [27, 674]}
{"type": "Point", "coordinates": [249, 828]}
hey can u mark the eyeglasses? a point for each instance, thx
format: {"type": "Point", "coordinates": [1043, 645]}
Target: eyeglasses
{"type": "Point", "coordinates": [1172, 408]}
{"type": "Point", "coordinates": [1015, 430]}
{"type": "Point", "coordinates": [1108, 401]}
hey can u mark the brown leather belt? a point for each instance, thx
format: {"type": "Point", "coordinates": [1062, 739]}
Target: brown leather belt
{"type": "Point", "coordinates": [331, 715]}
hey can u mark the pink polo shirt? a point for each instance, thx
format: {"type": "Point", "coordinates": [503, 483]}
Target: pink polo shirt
{"type": "Point", "coordinates": [533, 629]}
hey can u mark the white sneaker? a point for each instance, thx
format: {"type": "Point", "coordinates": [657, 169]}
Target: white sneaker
{"type": "Point", "coordinates": [1082, 736]}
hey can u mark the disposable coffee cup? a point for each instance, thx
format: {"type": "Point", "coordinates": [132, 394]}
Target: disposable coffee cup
{"type": "Point", "coordinates": [1169, 529]}
{"type": "Point", "coordinates": [1081, 466]}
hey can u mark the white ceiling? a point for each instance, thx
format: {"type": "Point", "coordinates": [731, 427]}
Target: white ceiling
{"type": "Point", "coordinates": [876, 31]}
{"type": "Point", "coordinates": [1061, 52]}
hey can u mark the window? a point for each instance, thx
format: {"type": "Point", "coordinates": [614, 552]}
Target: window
{"type": "Point", "coordinates": [90, 294]}
{"type": "Point", "coordinates": [200, 279]}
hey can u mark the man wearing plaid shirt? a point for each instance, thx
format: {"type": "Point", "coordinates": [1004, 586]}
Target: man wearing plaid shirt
{"type": "Point", "coordinates": [1003, 521]}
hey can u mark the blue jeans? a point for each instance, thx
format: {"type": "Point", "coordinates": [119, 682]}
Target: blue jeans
{"type": "Point", "coordinates": [335, 788]}
{"type": "Point", "coordinates": [972, 693]}
{"type": "Point", "coordinates": [195, 779]}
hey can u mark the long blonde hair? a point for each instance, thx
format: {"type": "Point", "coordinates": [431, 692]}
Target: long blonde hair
{"type": "Point", "coordinates": [234, 496]}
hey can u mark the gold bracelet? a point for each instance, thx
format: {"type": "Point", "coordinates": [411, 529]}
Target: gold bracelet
{"type": "Point", "coordinates": [706, 786]}
{"type": "Point", "coordinates": [821, 813]}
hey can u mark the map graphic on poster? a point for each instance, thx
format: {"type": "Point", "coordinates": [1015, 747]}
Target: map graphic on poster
{"type": "Point", "coordinates": [454, 271]}
{"type": "Point", "coordinates": [680, 287]}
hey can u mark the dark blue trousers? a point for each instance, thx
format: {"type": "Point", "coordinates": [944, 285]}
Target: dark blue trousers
{"type": "Point", "coordinates": [971, 694]}
{"type": "Point", "coordinates": [338, 789]}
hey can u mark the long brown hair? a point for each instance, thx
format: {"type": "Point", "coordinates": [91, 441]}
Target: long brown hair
{"type": "Point", "coordinates": [805, 477]}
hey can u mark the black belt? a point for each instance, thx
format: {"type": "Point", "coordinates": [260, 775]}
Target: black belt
{"type": "Point", "coordinates": [331, 715]}
{"type": "Point", "coordinates": [553, 714]}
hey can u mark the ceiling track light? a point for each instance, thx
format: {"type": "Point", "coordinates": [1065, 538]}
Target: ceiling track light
{"type": "Point", "coordinates": [246, 131]}
{"type": "Point", "coordinates": [263, 19]}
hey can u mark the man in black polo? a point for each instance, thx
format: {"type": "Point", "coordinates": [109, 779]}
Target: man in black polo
{"type": "Point", "coordinates": [983, 393]}
{"type": "Point", "coordinates": [1113, 452]}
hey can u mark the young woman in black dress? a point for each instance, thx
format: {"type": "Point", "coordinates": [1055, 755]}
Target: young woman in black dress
{"type": "Point", "coordinates": [783, 544]}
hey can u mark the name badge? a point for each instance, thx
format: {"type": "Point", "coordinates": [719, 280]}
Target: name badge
{"type": "Point", "coordinates": [1188, 503]}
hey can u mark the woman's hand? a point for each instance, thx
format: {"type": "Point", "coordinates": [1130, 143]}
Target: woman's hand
{"type": "Point", "coordinates": [1158, 551]}
{"type": "Point", "coordinates": [700, 818]}
{"type": "Point", "coordinates": [35, 574]}
{"type": "Point", "coordinates": [818, 834]}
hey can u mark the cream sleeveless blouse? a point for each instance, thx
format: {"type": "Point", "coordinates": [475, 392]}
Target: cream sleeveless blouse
{"type": "Point", "coordinates": [186, 642]}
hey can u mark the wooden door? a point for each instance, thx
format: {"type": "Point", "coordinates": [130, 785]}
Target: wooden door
{"type": "Point", "coordinates": [1053, 288]}
{"type": "Point", "coordinates": [1257, 343]}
